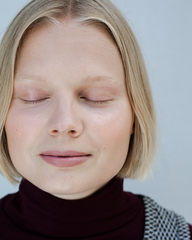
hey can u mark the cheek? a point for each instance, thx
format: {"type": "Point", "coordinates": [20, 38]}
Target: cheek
{"type": "Point", "coordinates": [111, 131]}
{"type": "Point", "coordinates": [21, 129]}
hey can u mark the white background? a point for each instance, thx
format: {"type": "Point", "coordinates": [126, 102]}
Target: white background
{"type": "Point", "coordinates": [164, 31]}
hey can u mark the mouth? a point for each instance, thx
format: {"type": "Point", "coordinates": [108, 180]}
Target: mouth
{"type": "Point", "coordinates": [65, 159]}
{"type": "Point", "coordinates": [66, 156]}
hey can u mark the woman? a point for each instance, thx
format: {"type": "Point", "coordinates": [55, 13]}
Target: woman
{"type": "Point", "coordinates": [77, 117]}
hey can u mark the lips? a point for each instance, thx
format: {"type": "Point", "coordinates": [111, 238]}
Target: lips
{"type": "Point", "coordinates": [65, 159]}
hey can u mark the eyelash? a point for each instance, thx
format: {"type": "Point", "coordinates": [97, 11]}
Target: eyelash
{"type": "Point", "coordinates": [95, 102]}
{"type": "Point", "coordinates": [41, 100]}
{"type": "Point", "coordinates": [33, 102]}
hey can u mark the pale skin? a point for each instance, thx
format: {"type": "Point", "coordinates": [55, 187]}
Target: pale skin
{"type": "Point", "coordinates": [73, 79]}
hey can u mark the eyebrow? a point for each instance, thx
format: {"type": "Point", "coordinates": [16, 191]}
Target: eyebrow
{"type": "Point", "coordinates": [31, 78]}
{"type": "Point", "coordinates": [91, 79]}
{"type": "Point", "coordinates": [88, 79]}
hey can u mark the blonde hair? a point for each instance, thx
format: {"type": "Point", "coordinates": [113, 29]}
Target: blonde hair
{"type": "Point", "coordinates": [105, 16]}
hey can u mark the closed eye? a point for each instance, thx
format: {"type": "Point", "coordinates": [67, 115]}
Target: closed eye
{"type": "Point", "coordinates": [95, 101]}
{"type": "Point", "coordinates": [33, 101]}
{"type": "Point", "coordinates": [86, 99]}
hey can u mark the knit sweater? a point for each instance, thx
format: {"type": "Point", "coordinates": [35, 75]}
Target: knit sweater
{"type": "Point", "coordinates": [109, 213]}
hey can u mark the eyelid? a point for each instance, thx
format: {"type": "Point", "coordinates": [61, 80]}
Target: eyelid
{"type": "Point", "coordinates": [86, 99]}
{"type": "Point", "coordinates": [33, 101]}
{"type": "Point", "coordinates": [96, 101]}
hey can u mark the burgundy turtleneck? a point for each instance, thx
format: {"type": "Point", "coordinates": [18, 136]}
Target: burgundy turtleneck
{"type": "Point", "coordinates": [110, 213]}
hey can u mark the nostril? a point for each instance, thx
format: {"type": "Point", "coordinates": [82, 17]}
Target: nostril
{"type": "Point", "coordinates": [54, 131]}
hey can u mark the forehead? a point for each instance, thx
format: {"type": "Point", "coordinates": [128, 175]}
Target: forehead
{"type": "Point", "coordinates": [68, 46]}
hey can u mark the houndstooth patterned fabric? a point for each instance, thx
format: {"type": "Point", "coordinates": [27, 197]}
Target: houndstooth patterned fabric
{"type": "Point", "coordinates": [161, 224]}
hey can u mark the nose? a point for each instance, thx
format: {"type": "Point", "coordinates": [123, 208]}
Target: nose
{"type": "Point", "coordinates": [65, 120]}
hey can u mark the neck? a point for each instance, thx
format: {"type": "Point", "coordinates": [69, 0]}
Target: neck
{"type": "Point", "coordinates": [103, 211]}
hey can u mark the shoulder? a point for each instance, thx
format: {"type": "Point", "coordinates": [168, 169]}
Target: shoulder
{"type": "Point", "coordinates": [5, 221]}
{"type": "Point", "coordinates": [163, 223]}
{"type": "Point", "coordinates": [190, 228]}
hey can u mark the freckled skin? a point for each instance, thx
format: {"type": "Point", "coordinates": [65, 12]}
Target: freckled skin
{"type": "Point", "coordinates": [63, 56]}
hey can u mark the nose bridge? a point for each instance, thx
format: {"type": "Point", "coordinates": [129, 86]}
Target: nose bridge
{"type": "Point", "coordinates": [65, 117]}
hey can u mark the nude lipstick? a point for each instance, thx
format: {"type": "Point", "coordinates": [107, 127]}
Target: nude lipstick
{"type": "Point", "coordinates": [65, 159]}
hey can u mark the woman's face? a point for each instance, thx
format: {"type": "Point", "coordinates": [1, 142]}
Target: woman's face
{"type": "Point", "coordinates": [69, 97]}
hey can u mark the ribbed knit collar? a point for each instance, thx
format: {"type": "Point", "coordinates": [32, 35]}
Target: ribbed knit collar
{"type": "Point", "coordinates": [45, 215]}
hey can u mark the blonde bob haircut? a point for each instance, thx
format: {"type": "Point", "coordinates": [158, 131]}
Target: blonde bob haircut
{"type": "Point", "coordinates": [103, 15]}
